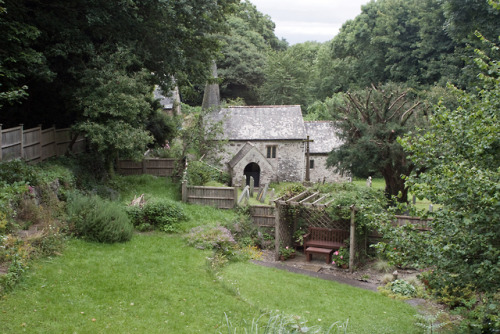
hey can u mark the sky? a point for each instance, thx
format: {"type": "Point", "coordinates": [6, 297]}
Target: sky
{"type": "Point", "coordinates": [299, 21]}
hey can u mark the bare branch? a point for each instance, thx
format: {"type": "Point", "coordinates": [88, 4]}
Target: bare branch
{"type": "Point", "coordinates": [403, 119]}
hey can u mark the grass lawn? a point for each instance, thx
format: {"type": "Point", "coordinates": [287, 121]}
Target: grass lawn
{"type": "Point", "coordinates": [157, 284]}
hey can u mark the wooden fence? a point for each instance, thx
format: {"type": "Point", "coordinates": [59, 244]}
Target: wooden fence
{"type": "Point", "coordinates": [219, 197]}
{"type": "Point", "coordinates": [157, 167]}
{"type": "Point", "coordinates": [419, 223]}
{"type": "Point", "coordinates": [35, 144]}
{"type": "Point", "coordinates": [263, 215]}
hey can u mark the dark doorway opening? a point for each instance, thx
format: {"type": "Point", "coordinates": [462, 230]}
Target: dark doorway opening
{"type": "Point", "coordinates": [253, 170]}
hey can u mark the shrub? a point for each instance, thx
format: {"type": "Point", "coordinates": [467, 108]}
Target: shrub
{"type": "Point", "coordinates": [200, 173]}
{"type": "Point", "coordinates": [99, 220]}
{"type": "Point", "coordinates": [217, 238]}
{"type": "Point", "coordinates": [402, 287]}
{"type": "Point", "coordinates": [161, 214]}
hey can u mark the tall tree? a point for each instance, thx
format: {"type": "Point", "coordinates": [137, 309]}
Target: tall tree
{"type": "Point", "coordinates": [370, 121]}
{"type": "Point", "coordinates": [115, 107]}
{"type": "Point", "coordinates": [391, 40]}
{"type": "Point", "coordinates": [289, 75]}
{"type": "Point", "coordinates": [250, 36]}
{"type": "Point", "coordinates": [18, 59]}
{"type": "Point", "coordinates": [167, 38]}
{"type": "Point", "coordinates": [458, 167]}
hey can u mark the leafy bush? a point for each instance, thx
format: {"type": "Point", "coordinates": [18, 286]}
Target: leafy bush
{"type": "Point", "coordinates": [18, 171]}
{"type": "Point", "coordinates": [200, 173]}
{"type": "Point", "coordinates": [484, 318]}
{"type": "Point", "coordinates": [99, 220]}
{"type": "Point", "coordinates": [217, 238]}
{"type": "Point", "coordinates": [402, 287]}
{"type": "Point", "coordinates": [366, 200]}
{"type": "Point", "coordinates": [161, 214]}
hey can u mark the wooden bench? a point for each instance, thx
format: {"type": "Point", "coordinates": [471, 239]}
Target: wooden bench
{"type": "Point", "coordinates": [320, 237]}
{"type": "Point", "coordinates": [309, 251]}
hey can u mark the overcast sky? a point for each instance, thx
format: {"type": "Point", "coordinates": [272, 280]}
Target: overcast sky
{"type": "Point", "coordinates": [309, 20]}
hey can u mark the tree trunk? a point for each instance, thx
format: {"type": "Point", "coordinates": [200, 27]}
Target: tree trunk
{"type": "Point", "coordinates": [394, 184]}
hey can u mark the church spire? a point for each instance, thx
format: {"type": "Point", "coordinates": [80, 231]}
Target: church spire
{"type": "Point", "coordinates": [211, 96]}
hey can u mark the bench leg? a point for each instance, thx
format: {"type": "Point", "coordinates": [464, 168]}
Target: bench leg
{"type": "Point", "coordinates": [308, 257]}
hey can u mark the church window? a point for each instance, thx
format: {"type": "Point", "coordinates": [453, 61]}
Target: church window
{"type": "Point", "coordinates": [271, 152]}
{"type": "Point", "coordinates": [311, 164]}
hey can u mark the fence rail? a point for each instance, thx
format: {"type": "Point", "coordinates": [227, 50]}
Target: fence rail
{"type": "Point", "coordinates": [263, 215]}
{"type": "Point", "coordinates": [157, 167]}
{"type": "Point", "coordinates": [421, 224]}
{"type": "Point", "coordinates": [35, 144]}
{"type": "Point", "coordinates": [219, 197]}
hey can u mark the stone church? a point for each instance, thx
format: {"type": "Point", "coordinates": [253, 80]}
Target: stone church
{"type": "Point", "coordinates": [270, 143]}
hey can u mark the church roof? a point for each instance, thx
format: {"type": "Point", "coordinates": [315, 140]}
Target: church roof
{"type": "Point", "coordinates": [263, 123]}
{"type": "Point", "coordinates": [324, 135]}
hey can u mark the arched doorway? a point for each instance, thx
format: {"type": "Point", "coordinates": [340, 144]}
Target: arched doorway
{"type": "Point", "coordinates": [253, 170]}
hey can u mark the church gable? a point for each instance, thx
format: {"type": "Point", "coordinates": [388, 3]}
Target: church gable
{"type": "Point", "coordinates": [250, 155]}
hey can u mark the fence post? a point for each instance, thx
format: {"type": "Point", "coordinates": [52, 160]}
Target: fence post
{"type": "Point", "coordinates": [1, 141]}
{"type": "Point", "coordinates": [235, 196]}
{"type": "Point", "coordinates": [40, 141]}
{"type": "Point", "coordinates": [144, 166]}
{"type": "Point", "coordinates": [277, 232]}
{"type": "Point", "coordinates": [352, 243]}
{"type": "Point", "coordinates": [22, 140]}
{"type": "Point", "coordinates": [184, 191]}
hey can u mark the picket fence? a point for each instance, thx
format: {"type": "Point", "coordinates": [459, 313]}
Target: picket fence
{"type": "Point", "coordinates": [35, 144]}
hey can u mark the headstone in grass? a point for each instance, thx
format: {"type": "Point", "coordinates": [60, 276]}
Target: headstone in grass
{"type": "Point", "coordinates": [264, 193]}
{"type": "Point", "coordinates": [244, 195]}
{"type": "Point", "coordinates": [259, 194]}
{"type": "Point", "coordinates": [243, 182]}
{"type": "Point", "coordinates": [369, 182]}
{"type": "Point", "coordinates": [252, 185]}
{"type": "Point", "coordinates": [271, 194]}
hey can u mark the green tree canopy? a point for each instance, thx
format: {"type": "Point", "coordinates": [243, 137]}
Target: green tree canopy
{"type": "Point", "coordinates": [166, 38]}
{"type": "Point", "coordinates": [458, 167]}
{"type": "Point", "coordinates": [370, 121]}
{"type": "Point", "coordinates": [289, 75]}
{"type": "Point", "coordinates": [250, 36]}
{"type": "Point", "coordinates": [391, 40]}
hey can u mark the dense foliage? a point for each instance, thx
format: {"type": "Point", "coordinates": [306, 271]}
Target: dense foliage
{"type": "Point", "coordinates": [249, 37]}
{"type": "Point", "coordinates": [95, 219]}
{"type": "Point", "coordinates": [370, 121]}
{"type": "Point", "coordinates": [164, 215]}
{"type": "Point", "coordinates": [459, 167]}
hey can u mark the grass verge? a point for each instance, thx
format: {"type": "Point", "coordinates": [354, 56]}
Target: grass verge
{"type": "Point", "coordinates": [157, 284]}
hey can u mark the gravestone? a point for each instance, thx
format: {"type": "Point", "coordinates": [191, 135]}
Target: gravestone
{"type": "Point", "coordinates": [271, 194]}
{"type": "Point", "coordinates": [244, 195]}
{"type": "Point", "coordinates": [252, 183]}
{"type": "Point", "coordinates": [369, 182]}
{"type": "Point", "coordinates": [264, 193]}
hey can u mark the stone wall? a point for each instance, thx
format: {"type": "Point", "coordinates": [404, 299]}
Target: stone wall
{"type": "Point", "coordinates": [320, 171]}
{"type": "Point", "coordinates": [287, 166]}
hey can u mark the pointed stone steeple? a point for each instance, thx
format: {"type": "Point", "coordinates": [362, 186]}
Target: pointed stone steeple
{"type": "Point", "coordinates": [211, 96]}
